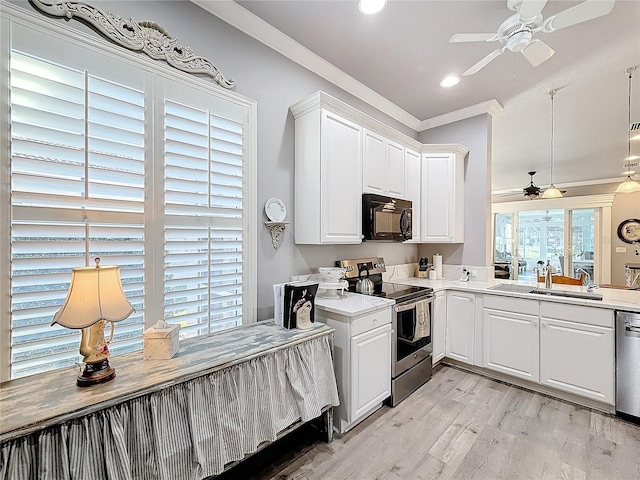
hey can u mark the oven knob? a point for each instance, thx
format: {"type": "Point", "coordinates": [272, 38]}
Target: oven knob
{"type": "Point", "coordinates": [415, 355]}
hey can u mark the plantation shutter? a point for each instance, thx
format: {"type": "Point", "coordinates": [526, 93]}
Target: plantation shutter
{"type": "Point", "coordinates": [203, 154]}
{"type": "Point", "coordinates": [77, 191]}
{"type": "Point", "coordinates": [115, 159]}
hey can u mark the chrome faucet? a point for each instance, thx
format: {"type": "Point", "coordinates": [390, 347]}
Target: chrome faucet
{"type": "Point", "coordinates": [589, 283]}
{"type": "Point", "coordinates": [537, 272]}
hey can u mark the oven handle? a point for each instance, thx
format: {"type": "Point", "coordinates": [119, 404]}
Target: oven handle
{"type": "Point", "coordinates": [403, 307]}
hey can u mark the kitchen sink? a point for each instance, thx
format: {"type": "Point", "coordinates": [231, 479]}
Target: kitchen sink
{"type": "Point", "coordinates": [565, 293]}
{"type": "Point", "coordinates": [507, 287]}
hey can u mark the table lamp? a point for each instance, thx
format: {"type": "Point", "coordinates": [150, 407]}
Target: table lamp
{"type": "Point", "coordinates": [95, 297]}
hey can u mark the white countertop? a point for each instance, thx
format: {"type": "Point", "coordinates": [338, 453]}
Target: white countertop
{"type": "Point", "coordinates": [352, 304]}
{"type": "Point", "coordinates": [612, 298]}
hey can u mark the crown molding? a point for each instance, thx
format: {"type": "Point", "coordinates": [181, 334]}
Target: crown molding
{"type": "Point", "coordinates": [456, 148]}
{"type": "Point", "coordinates": [245, 21]}
{"type": "Point", "coordinates": [586, 201]}
{"type": "Point", "coordinates": [323, 100]}
{"type": "Point", "coordinates": [492, 107]}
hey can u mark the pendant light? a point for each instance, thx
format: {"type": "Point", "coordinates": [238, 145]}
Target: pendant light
{"type": "Point", "coordinates": [552, 191]}
{"type": "Point", "coordinates": [629, 185]}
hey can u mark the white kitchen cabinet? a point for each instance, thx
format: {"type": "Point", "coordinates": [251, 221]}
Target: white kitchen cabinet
{"type": "Point", "coordinates": [510, 339]}
{"type": "Point", "coordinates": [370, 369]}
{"type": "Point", "coordinates": [442, 199]}
{"type": "Point", "coordinates": [383, 166]}
{"type": "Point", "coordinates": [362, 363]}
{"type": "Point", "coordinates": [439, 325]}
{"type": "Point", "coordinates": [328, 176]}
{"type": "Point", "coordinates": [577, 350]}
{"type": "Point", "coordinates": [460, 332]}
{"type": "Point", "coordinates": [412, 162]}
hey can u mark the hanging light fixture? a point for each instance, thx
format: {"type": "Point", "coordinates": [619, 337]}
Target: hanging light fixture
{"type": "Point", "coordinates": [629, 185]}
{"type": "Point", "coordinates": [552, 191]}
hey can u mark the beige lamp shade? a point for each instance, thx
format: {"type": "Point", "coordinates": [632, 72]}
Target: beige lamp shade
{"type": "Point", "coordinates": [629, 185]}
{"type": "Point", "coordinates": [95, 294]}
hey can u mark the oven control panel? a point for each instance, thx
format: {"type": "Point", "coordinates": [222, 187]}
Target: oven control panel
{"type": "Point", "coordinates": [357, 266]}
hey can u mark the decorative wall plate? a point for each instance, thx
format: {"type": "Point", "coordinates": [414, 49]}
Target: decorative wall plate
{"type": "Point", "coordinates": [275, 210]}
{"type": "Point", "coordinates": [629, 230]}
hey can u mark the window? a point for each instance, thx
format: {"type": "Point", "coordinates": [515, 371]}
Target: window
{"type": "Point", "coordinates": [110, 157]}
{"type": "Point", "coordinates": [568, 232]}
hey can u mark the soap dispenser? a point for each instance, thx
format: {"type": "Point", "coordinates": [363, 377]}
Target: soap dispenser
{"type": "Point", "coordinates": [547, 275]}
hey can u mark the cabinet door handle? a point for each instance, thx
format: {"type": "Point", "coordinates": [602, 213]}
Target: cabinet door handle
{"type": "Point", "coordinates": [375, 321]}
{"type": "Point", "coordinates": [544, 325]}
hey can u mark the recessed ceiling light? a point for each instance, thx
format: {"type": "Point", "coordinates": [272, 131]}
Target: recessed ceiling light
{"type": "Point", "coordinates": [450, 81]}
{"type": "Point", "coordinates": [371, 6]}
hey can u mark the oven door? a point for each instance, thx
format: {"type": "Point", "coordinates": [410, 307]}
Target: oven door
{"type": "Point", "coordinates": [412, 335]}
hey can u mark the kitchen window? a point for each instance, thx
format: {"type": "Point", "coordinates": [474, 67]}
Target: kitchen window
{"type": "Point", "coordinates": [571, 233]}
{"type": "Point", "coordinates": [120, 159]}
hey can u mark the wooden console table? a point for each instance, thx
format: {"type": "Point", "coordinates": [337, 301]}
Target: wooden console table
{"type": "Point", "coordinates": [218, 400]}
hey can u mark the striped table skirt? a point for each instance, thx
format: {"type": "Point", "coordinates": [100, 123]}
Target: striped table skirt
{"type": "Point", "coordinates": [185, 431]}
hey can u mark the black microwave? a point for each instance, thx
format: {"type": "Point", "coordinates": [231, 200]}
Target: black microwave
{"type": "Point", "coordinates": [385, 219]}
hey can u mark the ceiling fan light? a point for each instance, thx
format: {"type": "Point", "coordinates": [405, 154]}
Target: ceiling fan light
{"type": "Point", "coordinates": [552, 192]}
{"type": "Point", "coordinates": [371, 6]}
{"type": "Point", "coordinates": [628, 186]}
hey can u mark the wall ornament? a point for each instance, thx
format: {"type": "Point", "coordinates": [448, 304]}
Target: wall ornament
{"type": "Point", "coordinates": [147, 37]}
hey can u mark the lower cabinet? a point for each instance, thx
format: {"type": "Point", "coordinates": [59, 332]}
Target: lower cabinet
{"type": "Point", "coordinates": [576, 356]}
{"type": "Point", "coordinates": [362, 363]}
{"type": "Point", "coordinates": [439, 325]}
{"type": "Point", "coordinates": [510, 341]}
{"type": "Point", "coordinates": [460, 332]}
{"type": "Point", "coordinates": [370, 369]}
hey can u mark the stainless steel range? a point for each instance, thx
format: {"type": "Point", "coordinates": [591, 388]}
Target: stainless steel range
{"type": "Point", "coordinates": [411, 347]}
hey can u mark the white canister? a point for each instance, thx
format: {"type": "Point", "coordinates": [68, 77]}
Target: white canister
{"type": "Point", "coordinates": [433, 275]}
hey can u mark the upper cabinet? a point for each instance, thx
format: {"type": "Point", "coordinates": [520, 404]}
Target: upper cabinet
{"type": "Point", "coordinates": [341, 153]}
{"type": "Point", "coordinates": [442, 194]}
{"type": "Point", "coordinates": [383, 166]}
{"type": "Point", "coordinates": [328, 173]}
{"type": "Point", "coordinates": [412, 162]}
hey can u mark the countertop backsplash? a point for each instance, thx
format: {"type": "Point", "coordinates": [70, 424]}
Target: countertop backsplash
{"type": "Point", "coordinates": [449, 272]}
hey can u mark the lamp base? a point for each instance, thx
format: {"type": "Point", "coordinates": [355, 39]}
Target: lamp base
{"type": "Point", "coordinates": [95, 373]}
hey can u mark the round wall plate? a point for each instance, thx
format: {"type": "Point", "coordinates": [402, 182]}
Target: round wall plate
{"type": "Point", "coordinates": [629, 230]}
{"type": "Point", "coordinates": [275, 210]}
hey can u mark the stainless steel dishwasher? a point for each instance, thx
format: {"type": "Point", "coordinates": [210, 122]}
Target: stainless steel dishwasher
{"type": "Point", "coordinates": [628, 364]}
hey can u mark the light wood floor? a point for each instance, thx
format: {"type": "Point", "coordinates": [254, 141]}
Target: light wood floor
{"type": "Point", "coordinates": [461, 425]}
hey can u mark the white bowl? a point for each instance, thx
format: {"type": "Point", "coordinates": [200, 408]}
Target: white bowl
{"type": "Point", "coordinates": [332, 274]}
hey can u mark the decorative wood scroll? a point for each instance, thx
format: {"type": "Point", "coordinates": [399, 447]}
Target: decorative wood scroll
{"type": "Point", "coordinates": [147, 37]}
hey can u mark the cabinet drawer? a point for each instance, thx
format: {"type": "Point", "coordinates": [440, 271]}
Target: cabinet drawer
{"type": "Point", "coordinates": [370, 321]}
{"type": "Point", "coordinates": [575, 313]}
{"type": "Point", "coordinates": [510, 304]}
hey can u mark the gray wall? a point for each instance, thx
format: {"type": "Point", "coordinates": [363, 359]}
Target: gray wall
{"type": "Point", "coordinates": [625, 206]}
{"type": "Point", "coordinates": [475, 134]}
{"type": "Point", "coordinates": [276, 83]}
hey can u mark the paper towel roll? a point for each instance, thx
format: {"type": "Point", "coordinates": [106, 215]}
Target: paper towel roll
{"type": "Point", "coordinates": [437, 264]}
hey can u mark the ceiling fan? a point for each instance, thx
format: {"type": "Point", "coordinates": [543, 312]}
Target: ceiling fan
{"type": "Point", "coordinates": [533, 191]}
{"type": "Point", "coordinates": [517, 31]}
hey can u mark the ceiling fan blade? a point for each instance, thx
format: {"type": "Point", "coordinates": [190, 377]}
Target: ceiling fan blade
{"type": "Point", "coordinates": [530, 9]}
{"type": "Point", "coordinates": [484, 62]}
{"type": "Point", "coordinates": [473, 37]}
{"type": "Point", "coordinates": [537, 52]}
{"type": "Point", "coordinates": [580, 13]}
